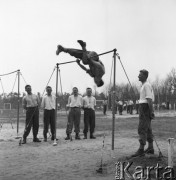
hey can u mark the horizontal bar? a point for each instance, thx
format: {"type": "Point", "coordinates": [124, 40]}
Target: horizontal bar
{"type": "Point", "coordinates": [104, 53]}
{"type": "Point", "coordinates": [9, 73]}
{"type": "Point", "coordinates": [66, 62]}
{"type": "Point", "coordinates": [114, 50]}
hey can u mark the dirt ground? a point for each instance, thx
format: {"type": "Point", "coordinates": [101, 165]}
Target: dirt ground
{"type": "Point", "coordinates": [71, 160]}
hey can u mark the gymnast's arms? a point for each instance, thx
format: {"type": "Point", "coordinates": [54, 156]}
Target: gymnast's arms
{"type": "Point", "coordinates": [84, 68]}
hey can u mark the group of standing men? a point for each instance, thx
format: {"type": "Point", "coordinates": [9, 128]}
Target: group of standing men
{"type": "Point", "coordinates": [31, 103]}
{"type": "Point", "coordinates": [75, 103]}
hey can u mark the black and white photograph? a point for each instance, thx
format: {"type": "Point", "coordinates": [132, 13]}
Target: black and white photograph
{"type": "Point", "coordinates": [87, 89]}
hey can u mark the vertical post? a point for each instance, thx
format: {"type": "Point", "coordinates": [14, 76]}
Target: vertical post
{"type": "Point", "coordinates": [113, 107]}
{"type": "Point", "coordinates": [170, 152]}
{"type": "Point", "coordinates": [158, 99]}
{"type": "Point", "coordinates": [57, 68]}
{"type": "Point", "coordinates": [60, 81]}
{"type": "Point", "coordinates": [18, 110]}
{"type": "Point", "coordinates": [63, 104]}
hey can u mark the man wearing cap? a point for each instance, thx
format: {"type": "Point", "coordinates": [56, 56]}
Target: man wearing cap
{"type": "Point", "coordinates": [89, 103]}
{"type": "Point", "coordinates": [30, 104]}
{"type": "Point", "coordinates": [137, 106]}
{"type": "Point", "coordinates": [96, 67]}
{"type": "Point", "coordinates": [105, 103]}
{"type": "Point", "coordinates": [131, 106]}
{"type": "Point", "coordinates": [48, 104]}
{"type": "Point", "coordinates": [74, 115]}
{"type": "Point", "coordinates": [146, 114]}
{"type": "Point", "coordinates": [120, 107]}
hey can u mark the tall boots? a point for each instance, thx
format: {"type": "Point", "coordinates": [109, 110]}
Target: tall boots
{"type": "Point", "coordinates": [92, 136]}
{"type": "Point", "coordinates": [77, 136]}
{"type": "Point", "coordinates": [139, 152]}
{"type": "Point", "coordinates": [24, 140]}
{"type": "Point", "coordinates": [150, 149]}
{"type": "Point", "coordinates": [68, 137]}
{"type": "Point", "coordinates": [35, 139]}
{"type": "Point", "coordinates": [85, 136]}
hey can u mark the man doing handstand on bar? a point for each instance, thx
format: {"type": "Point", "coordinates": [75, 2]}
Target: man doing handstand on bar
{"type": "Point", "coordinates": [97, 69]}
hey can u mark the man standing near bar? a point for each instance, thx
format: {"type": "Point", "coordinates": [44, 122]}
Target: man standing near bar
{"type": "Point", "coordinates": [146, 114]}
{"type": "Point", "coordinates": [48, 104]}
{"type": "Point", "coordinates": [120, 107]}
{"type": "Point", "coordinates": [89, 103]}
{"type": "Point", "coordinates": [105, 103]}
{"type": "Point", "coordinates": [137, 106]}
{"type": "Point", "coordinates": [74, 115]}
{"type": "Point", "coordinates": [30, 104]}
{"type": "Point", "coordinates": [131, 106]}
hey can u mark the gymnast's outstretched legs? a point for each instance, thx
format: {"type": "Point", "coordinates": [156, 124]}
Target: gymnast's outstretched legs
{"type": "Point", "coordinates": [83, 54]}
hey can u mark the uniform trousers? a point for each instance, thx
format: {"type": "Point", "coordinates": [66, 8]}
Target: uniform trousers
{"type": "Point", "coordinates": [89, 120]}
{"type": "Point", "coordinates": [32, 120]}
{"type": "Point", "coordinates": [49, 119]}
{"type": "Point", "coordinates": [74, 117]}
{"type": "Point", "coordinates": [144, 127]}
{"type": "Point", "coordinates": [104, 109]}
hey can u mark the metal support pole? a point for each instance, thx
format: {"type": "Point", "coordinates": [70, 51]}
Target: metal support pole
{"type": "Point", "coordinates": [113, 110]}
{"type": "Point", "coordinates": [18, 110]}
{"type": "Point", "coordinates": [57, 68]}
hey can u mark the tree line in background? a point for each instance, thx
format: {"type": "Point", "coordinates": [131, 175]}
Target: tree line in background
{"type": "Point", "coordinates": [164, 91]}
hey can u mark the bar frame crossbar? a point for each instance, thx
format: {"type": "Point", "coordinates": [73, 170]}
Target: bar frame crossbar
{"type": "Point", "coordinates": [114, 50]}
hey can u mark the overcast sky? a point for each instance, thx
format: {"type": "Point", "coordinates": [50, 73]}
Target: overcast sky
{"type": "Point", "coordinates": [142, 31]}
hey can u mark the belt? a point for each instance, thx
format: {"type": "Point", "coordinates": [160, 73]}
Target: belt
{"type": "Point", "coordinates": [88, 109]}
{"type": "Point", "coordinates": [32, 107]}
{"type": "Point", "coordinates": [143, 104]}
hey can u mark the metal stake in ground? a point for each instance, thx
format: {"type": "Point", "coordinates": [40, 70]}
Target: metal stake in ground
{"type": "Point", "coordinates": [100, 170]}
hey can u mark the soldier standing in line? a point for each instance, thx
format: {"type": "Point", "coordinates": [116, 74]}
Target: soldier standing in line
{"type": "Point", "coordinates": [48, 104]}
{"type": "Point", "coordinates": [89, 103]}
{"type": "Point", "coordinates": [74, 115]}
{"type": "Point", "coordinates": [31, 103]}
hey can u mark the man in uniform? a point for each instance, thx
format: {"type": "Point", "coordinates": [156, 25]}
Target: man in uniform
{"type": "Point", "coordinates": [30, 104]}
{"type": "Point", "coordinates": [120, 107]}
{"type": "Point", "coordinates": [74, 115]}
{"type": "Point", "coordinates": [105, 103]}
{"type": "Point", "coordinates": [89, 103]}
{"type": "Point", "coordinates": [146, 114]}
{"type": "Point", "coordinates": [48, 104]}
